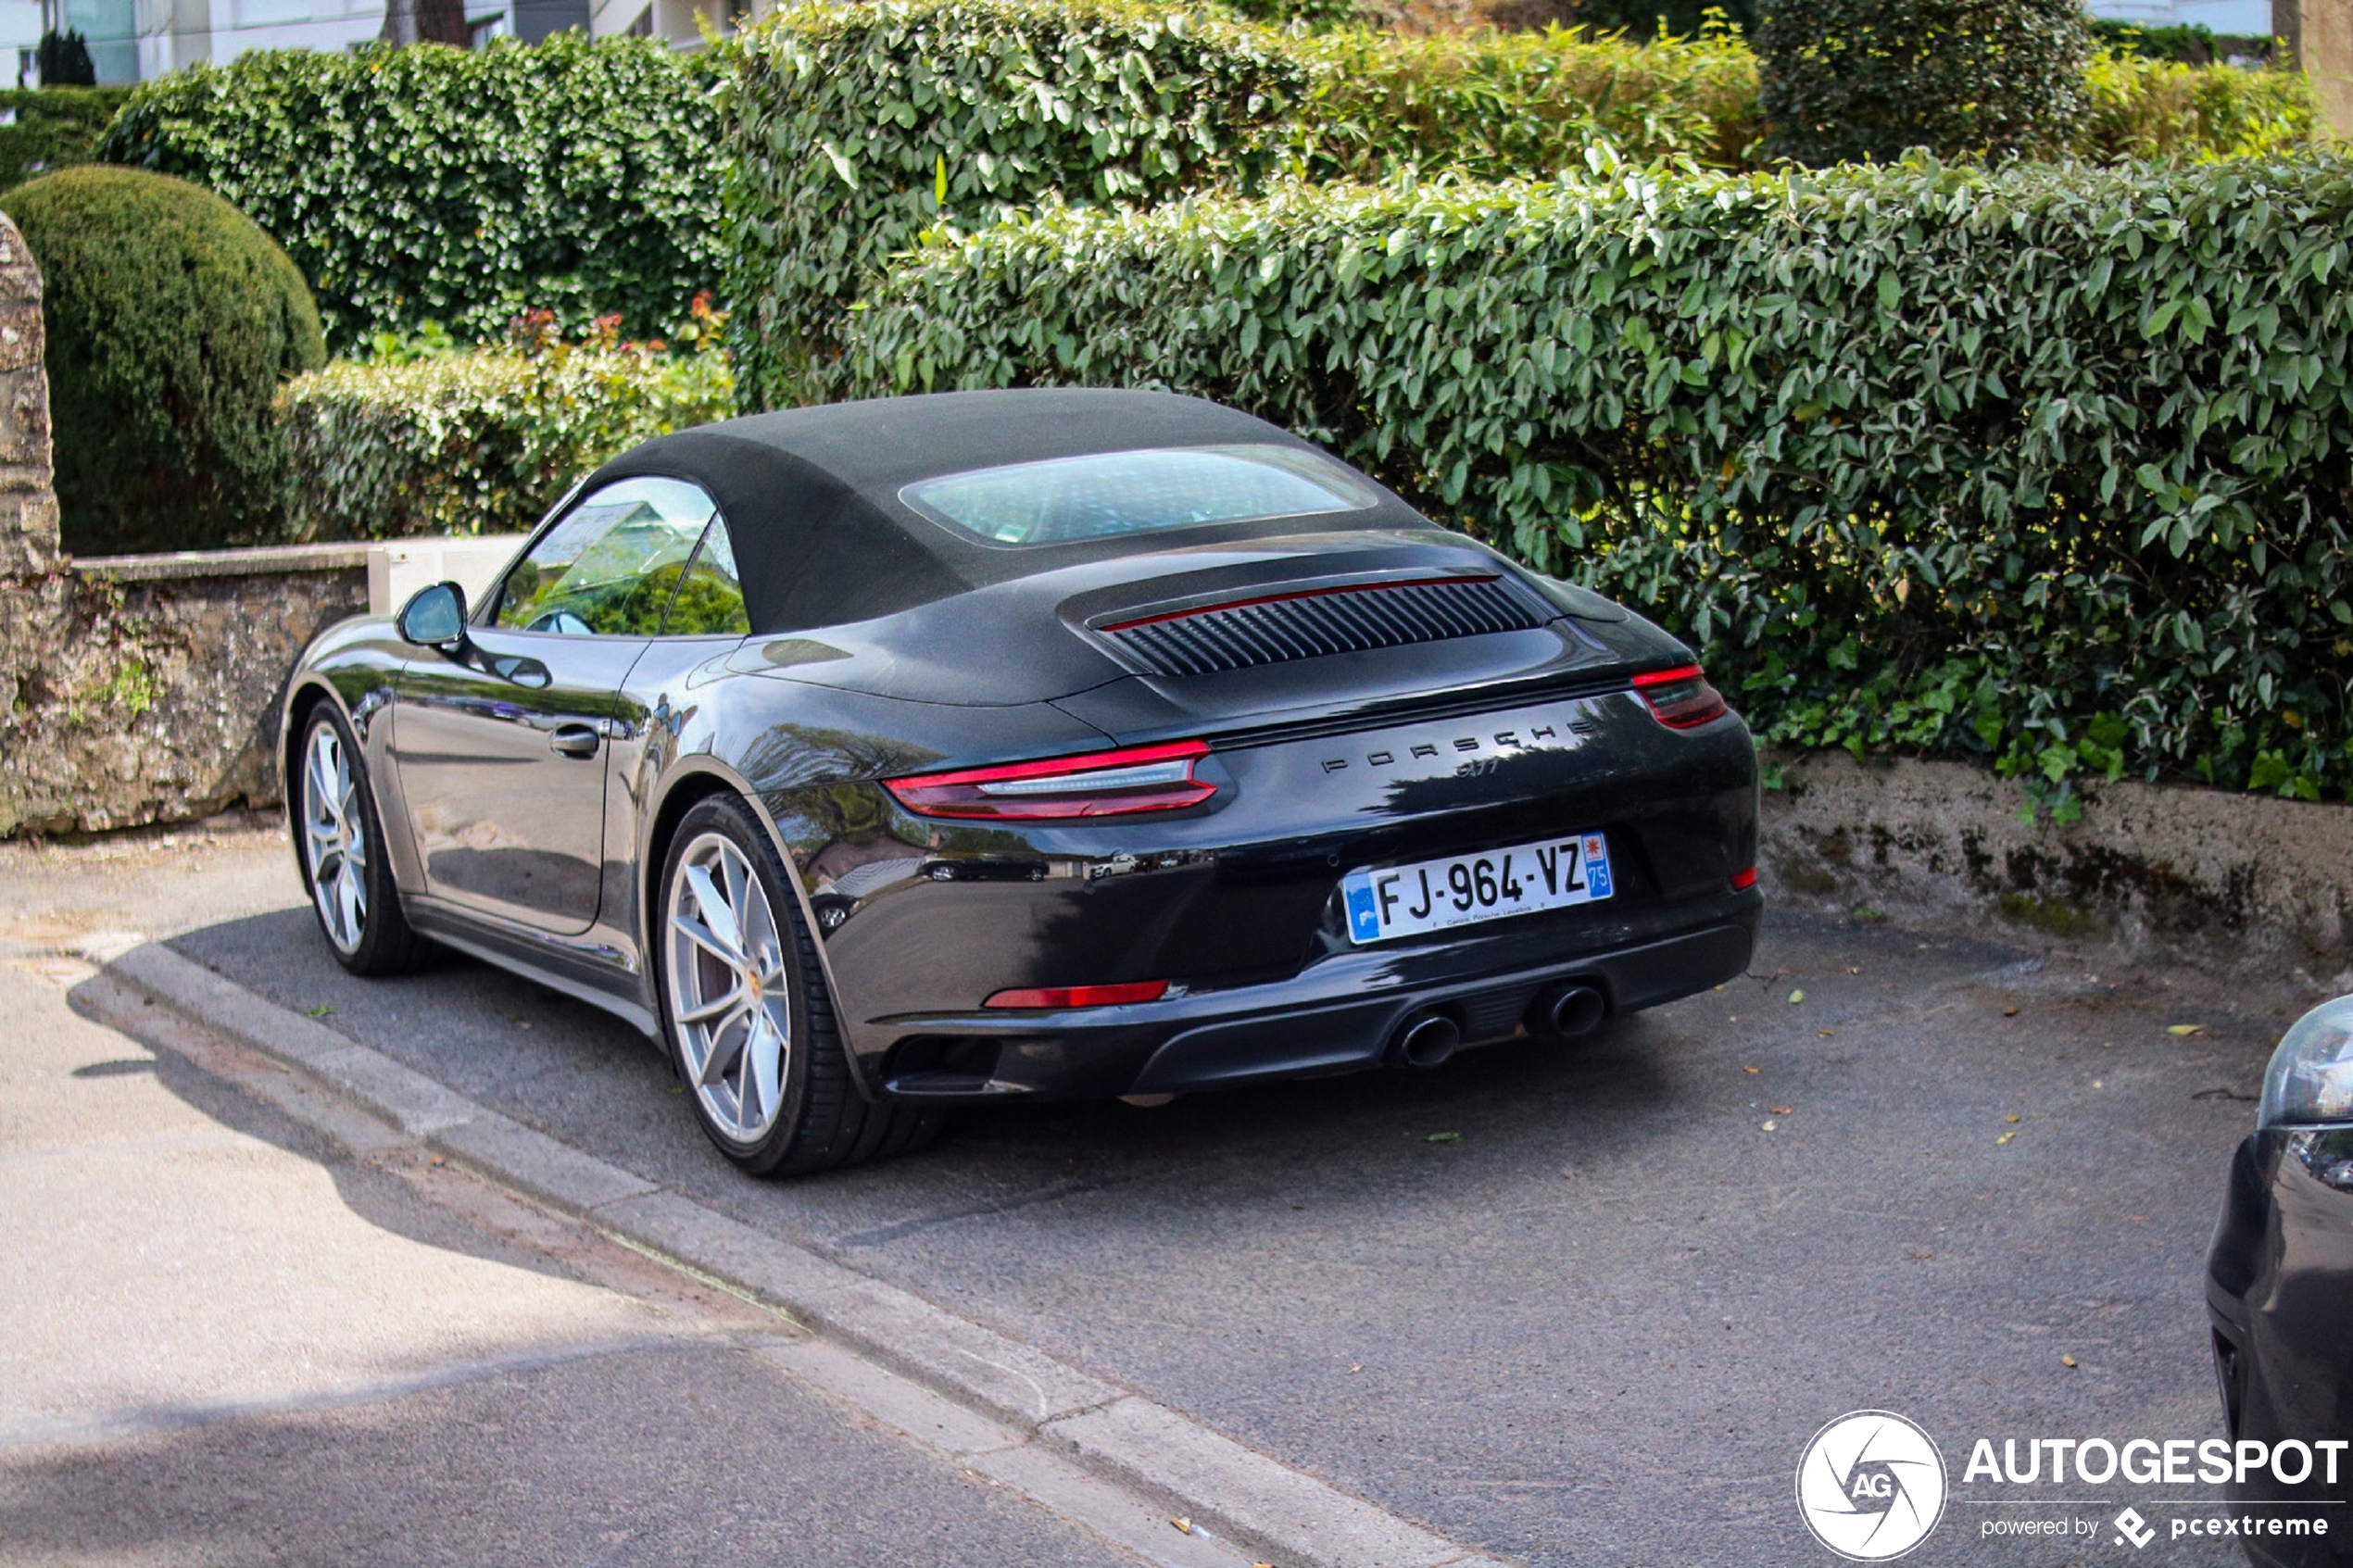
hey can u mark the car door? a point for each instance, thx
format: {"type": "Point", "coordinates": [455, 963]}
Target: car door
{"type": "Point", "coordinates": [502, 745]}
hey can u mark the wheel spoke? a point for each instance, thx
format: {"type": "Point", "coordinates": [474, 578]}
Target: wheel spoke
{"type": "Point", "coordinates": [767, 1047]}
{"type": "Point", "coordinates": [726, 938]}
{"type": "Point", "coordinates": [354, 908]}
{"type": "Point", "coordinates": [716, 1009]}
{"type": "Point", "coordinates": [726, 1045]}
{"type": "Point", "coordinates": [708, 940]}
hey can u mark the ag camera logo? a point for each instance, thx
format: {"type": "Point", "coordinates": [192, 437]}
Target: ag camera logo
{"type": "Point", "coordinates": [1871, 1486]}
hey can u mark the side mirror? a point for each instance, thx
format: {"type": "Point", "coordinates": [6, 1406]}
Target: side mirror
{"type": "Point", "coordinates": [435, 617]}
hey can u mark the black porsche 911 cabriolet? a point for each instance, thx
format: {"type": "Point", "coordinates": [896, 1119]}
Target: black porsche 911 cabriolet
{"type": "Point", "coordinates": [884, 755]}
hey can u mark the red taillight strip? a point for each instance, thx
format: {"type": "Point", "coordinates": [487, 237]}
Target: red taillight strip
{"type": "Point", "coordinates": [1165, 752]}
{"type": "Point", "coordinates": [1081, 996]}
{"type": "Point", "coordinates": [1663, 677]}
{"type": "Point", "coordinates": [1299, 593]}
{"type": "Point", "coordinates": [1744, 879]}
{"type": "Point", "coordinates": [1063, 788]}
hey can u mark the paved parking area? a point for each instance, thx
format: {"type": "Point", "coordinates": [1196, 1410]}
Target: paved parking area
{"type": "Point", "coordinates": [1581, 1305]}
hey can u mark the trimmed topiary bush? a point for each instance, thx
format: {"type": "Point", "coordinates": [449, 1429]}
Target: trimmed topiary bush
{"type": "Point", "coordinates": [172, 320]}
{"type": "Point", "coordinates": [1842, 81]}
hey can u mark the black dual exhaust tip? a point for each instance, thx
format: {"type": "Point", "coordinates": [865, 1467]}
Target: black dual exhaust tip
{"type": "Point", "coordinates": [1559, 1012]}
{"type": "Point", "coordinates": [1425, 1039]}
{"type": "Point", "coordinates": [1563, 1011]}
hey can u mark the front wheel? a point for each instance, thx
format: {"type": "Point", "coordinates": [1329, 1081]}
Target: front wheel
{"type": "Point", "coordinates": [749, 1018]}
{"type": "Point", "coordinates": [339, 839]}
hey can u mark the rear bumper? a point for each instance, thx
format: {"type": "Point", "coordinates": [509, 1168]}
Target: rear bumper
{"type": "Point", "coordinates": [1337, 1015]}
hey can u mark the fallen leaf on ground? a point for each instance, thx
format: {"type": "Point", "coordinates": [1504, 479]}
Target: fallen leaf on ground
{"type": "Point", "coordinates": [1445, 1137]}
{"type": "Point", "coordinates": [1780, 1109]}
{"type": "Point", "coordinates": [1746, 1068]}
{"type": "Point", "coordinates": [1184, 1525]}
{"type": "Point", "coordinates": [1766, 1126]}
{"type": "Point", "coordinates": [1828, 1033]}
{"type": "Point", "coordinates": [322, 1010]}
{"type": "Point", "coordinates": [2010, 1118]}
{"type": "Point", "coordinates": [2066, 1361]}
{"type": "Point", "coordinates": [2004, 1138]}
{"type": "Point", "coordinates": [2009, 1012]}
{"type": "Point", "coordinates": [2185, 1029]}
{"type": "Point", "coordinates": [1795, 998]}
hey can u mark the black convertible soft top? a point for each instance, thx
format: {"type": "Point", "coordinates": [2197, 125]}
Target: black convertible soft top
{"type": "Point", "coordinates": [811, 495]}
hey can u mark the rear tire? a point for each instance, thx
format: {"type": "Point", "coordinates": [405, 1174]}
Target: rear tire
{"type": "Point", "coordinates": [749, 1022]}
{"type": "Point", "coordinates": [339, 839]}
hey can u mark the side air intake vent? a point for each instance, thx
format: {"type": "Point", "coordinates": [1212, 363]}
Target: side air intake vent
{"type": "Point", "coordinates": [1275, 628]}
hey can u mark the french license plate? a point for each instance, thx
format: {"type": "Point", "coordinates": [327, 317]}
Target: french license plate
{"type": "Point", "coordinates": [1466, 889]}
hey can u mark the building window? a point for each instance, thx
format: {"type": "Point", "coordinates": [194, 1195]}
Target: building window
{"type": "Point", "coordinates": [644, 26]}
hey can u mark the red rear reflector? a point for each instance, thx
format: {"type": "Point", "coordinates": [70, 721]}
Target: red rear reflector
{"type": "Point", "coordinates": [1082, 996]}
{"type": "Point", "coordinates": [1102, 783]}
{"type": "Point", "coordinates": [1680, 698]}
{"type": "Point", "coordinates": [1745, 879]}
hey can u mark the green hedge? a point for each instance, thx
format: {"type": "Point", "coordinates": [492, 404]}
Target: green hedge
{"type": "Point", "coordinates": [482, 441]}
{"type": "Point", "coordinates": [2049, 463]}
{"type": "Point", "coordinates": [52, 128]}
{"type": "Point", "coordinates": [2136, 107]}
{"type": "Point", "coordinates": [444, 184]}
{"type": "Point", "coordinates": [855, 127]}
{"type": "Point", "coordinates": [1499, 104]}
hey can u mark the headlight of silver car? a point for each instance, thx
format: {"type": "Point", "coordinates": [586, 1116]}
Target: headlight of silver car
{"type": "Point", "coordinates": [2310, 1079]}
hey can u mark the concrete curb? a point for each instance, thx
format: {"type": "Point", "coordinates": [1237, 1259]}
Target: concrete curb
{"type": "Point", "coordinates": [996, 1385]}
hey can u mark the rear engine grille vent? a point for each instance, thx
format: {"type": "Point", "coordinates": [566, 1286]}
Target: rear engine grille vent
{"type": "Point", "coordinates": [1314, 622]}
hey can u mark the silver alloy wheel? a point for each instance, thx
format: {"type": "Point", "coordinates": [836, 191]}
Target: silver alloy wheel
{"type": "Point", "coordinates": [334, 839]}
{"type": "Point", "coordinates": [729, 1002]}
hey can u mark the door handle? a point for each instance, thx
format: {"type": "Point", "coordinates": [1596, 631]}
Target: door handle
{"type": "Point", "coordinates": [574, 740]}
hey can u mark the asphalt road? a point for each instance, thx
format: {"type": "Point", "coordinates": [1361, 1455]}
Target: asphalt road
{"type": "Point", "coordinates": [1582, 1305]}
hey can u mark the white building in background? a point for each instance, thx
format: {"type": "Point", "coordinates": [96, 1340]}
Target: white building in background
{"type": "Point", "coordinates": [137, 40]}
{"type": "Point", "coordinates": [680, 22]}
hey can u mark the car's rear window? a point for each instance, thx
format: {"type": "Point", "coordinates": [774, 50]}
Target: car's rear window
{"type": "Point", "coordinates": [1066, 499]}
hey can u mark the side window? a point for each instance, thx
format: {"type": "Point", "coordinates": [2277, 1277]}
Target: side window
{"type": "Point", "coordinates": [609, 568]}
{"type": "Point", "coordinates": [710, 595]}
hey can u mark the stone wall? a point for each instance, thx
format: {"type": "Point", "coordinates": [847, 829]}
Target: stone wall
{"type": "Point", "coordinates": [27, 500]}
{"type": "Point", "coordinates": [140, 689]}
{"type": "Point", "coordinates": [2212, 875]}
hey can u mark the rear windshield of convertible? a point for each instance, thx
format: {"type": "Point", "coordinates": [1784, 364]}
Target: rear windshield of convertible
{"type": "Point", "coordinates": [1102, 494]}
